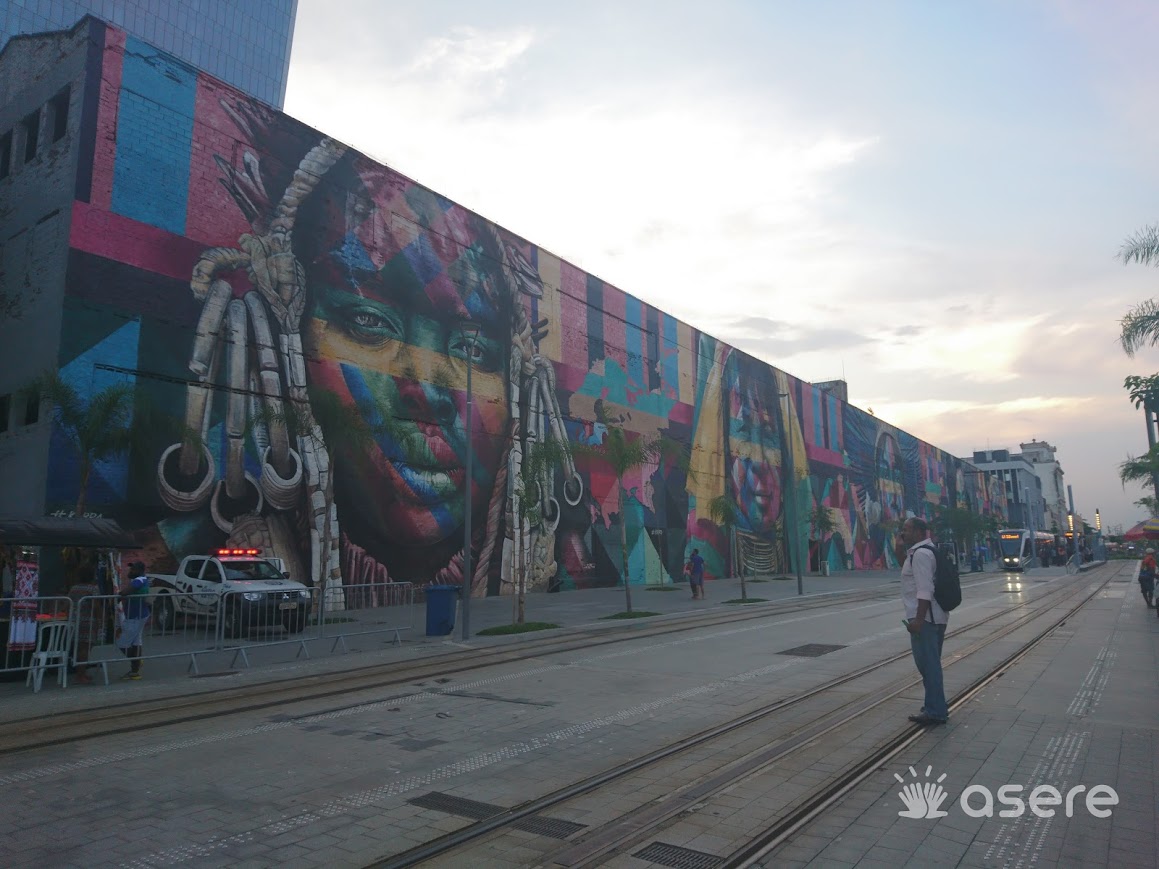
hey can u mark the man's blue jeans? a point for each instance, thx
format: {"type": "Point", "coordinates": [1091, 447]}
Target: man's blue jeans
{"type": "Point", "coordinates": [927, 649]}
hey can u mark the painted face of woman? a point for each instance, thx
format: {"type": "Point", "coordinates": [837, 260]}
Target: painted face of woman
{"type": "Point", "coordinates": [402, 297]}
{"type": "Point", "coordinates": [753, 455]}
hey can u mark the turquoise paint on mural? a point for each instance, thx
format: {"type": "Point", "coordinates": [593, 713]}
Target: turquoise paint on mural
{"type": "Point", "coordinates": [117, 350]}
{"type": "Point", "coordinates": [614, 386]}
{"type": "Point", "coordinates": [154, 137]}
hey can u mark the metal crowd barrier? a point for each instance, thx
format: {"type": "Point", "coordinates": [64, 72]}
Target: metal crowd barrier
{"type": "Point", "coordinates": [20, 623]}
{"type": "Point", "coordinates": [353, 609]}
{"type": "Point", "coordinates": [179, 625]}
{"type": "Point", "coordinates": [189, 625]}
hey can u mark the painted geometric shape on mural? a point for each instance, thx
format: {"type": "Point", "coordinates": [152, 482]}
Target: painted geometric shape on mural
{"type": "Point", "coordinates": [644, 561]}
{"type": "Point", "coordinates": [109, 478]}
{"type": "Point", "coordinates": [154, 137]}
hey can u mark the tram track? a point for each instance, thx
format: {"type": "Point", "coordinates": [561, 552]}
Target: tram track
{"type": "Point", "coordinates": [598, 844]}
{"type": "Point", "coordinates": [44, 731]}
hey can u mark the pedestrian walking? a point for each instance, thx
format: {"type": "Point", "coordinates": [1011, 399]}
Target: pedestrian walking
{"type": "Point", "coordinates": [925, 620]}
{"type": "Point", "coordinates": [696, 574]}
{"type": "Point", "coordinates": [1147, 576]}
{"type": "Point", "coordinates": [134, 615]}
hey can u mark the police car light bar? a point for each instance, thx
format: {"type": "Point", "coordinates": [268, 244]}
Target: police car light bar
{"type": "Point", "coordinates": [221, 552]}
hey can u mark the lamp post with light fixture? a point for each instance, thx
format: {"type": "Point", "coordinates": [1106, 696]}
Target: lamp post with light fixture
{"type": "Point", "coordinates": [789, 490]}
{"type": "Point", "coordinates": [470, 335]}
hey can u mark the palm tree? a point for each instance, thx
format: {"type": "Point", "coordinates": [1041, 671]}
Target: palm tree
{"type": "Point", "coordinates": [822, 523]}
{"type": "Point", "coordinates": [99, 429]}
{"type": "Point", "coordinates": [1144, 392]}
{"type": "Point", "coordinates": [723, 510]}
{"type": "Point", "coordinates": [624, 453]}
{"type": "Point", "coordinates": [1141, 469]}
{"type": "Point", "coordinates": [1140, 326]}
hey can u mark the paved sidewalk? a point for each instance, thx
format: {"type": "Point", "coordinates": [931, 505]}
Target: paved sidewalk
{"type": "Point", "coordinates": [1078, 712]}
{"type": "Point", "coordinates": [574, 610]}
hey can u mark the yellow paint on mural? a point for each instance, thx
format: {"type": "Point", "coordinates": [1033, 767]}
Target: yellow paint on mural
{"type": "Point", "coordinates": [549, 306]}
{"type": "Point", "coordinates": [687, 359]}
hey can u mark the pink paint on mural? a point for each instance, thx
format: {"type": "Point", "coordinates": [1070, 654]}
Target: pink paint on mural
{"type": "Point", "coordinates": [119, 238]}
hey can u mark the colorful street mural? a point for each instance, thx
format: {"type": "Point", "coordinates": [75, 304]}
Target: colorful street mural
{"type": "Point", "coordinates": [305, 316]}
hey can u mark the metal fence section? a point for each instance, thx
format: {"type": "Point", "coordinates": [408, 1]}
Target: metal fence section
{"type": "Point", "coordinates": [20, 626]}
{"type": "Point", "coordinates": [253, 618]}
{"type": "Point", "coordinates": [178, 626]}
{"type": "Point", "coordinates": [351, 609]}
{"type": "Point", "coordinates": [191, 624]}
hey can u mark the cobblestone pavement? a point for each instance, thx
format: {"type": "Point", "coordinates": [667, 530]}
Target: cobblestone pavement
{"type": "Point", "coordinates": [333, 783]}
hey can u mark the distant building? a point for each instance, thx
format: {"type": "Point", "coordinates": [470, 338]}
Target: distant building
{"type": "Point", "coordinates": [1024, 493]}
{"type": "Point", "coordinates": [1041, 456]}
{"type": "Point", "coordinates": [243, 42]}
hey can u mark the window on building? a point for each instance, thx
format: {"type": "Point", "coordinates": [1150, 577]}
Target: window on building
{"type": "Point", "coordinates": [59, 107]}
{"type": "Point", "coordinates": [5, 154]}
{"type": "Point", "coordinates": [5, 405]}
{"type": "Point", "coordinates": [31, 127]}
{"type": "Point", "coordinates": [31, 408]}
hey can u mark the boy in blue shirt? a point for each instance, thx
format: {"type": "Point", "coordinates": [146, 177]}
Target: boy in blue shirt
{"type": "Point", "coordinates": [135, 612]}
{"type": "Point", "coordinates": [696, 575]}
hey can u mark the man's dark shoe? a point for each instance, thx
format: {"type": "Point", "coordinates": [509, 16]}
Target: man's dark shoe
{"type": "Point", "coordinates": [926, 720]}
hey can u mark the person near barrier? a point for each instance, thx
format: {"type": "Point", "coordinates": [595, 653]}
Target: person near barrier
{"type": "Point", "coordinates": [1147, 577]}
{"type": "Point", "coordinates": [134, 615]}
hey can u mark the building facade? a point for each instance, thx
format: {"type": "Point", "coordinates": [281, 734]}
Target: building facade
{"type": "Point", "coordinates": [295, 322]}
{"type": "Point", "coordinates": [243, 42]}
{"type": "Point", "coordinates": [1041, 456]}
{"type": "Point", "coordinates": [1021, 486]}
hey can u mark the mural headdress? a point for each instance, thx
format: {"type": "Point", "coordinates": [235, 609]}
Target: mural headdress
{"type": "Point", "coordinates": [258, 340]}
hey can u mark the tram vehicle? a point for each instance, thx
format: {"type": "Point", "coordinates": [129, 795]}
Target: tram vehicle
{"type": "Point", "coordinates": [1018, 548]}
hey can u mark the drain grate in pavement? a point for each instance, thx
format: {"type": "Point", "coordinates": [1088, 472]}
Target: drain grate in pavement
{"type": "Point", "coordinates": [811, 650]}
{"type": "Point", "coordinates": [453, 805]}
{"type": "Point", "coordinates": [464, 808]}
{"type": "Point", "coordinates": [553, 828]}
{"type": "Point", "coordinates": [678, 858]}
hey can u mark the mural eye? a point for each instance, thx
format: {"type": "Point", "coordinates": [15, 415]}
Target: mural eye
{"type": "Point", "coordinates": [371, 326]}
{"type": "Point", "coordinates": [484, 351]}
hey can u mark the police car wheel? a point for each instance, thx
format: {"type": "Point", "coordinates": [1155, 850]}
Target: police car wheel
{"type": "Point", "coordinates": [164, 615]}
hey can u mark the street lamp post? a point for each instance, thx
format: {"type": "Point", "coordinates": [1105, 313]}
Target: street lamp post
{"type": "Point", "coordinates": [1074, 532]}
{"type": "Point", "coordinates": [1030, 522]}
{"type": "Point", "coordinates": [790, 491]}
{"type": "Point", "coordinates": [470, 334]}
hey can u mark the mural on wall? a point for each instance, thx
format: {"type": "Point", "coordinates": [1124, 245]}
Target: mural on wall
{"type": "Point", "coordinates": [309, 315]}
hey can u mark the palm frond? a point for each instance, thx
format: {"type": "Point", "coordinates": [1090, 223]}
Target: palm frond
{"type": "Point", "coordinates": [68, 407]}
{"type": "Point", "coordinates": [1139, 327]}
{"type": "Point", "coordinates": [1141, 469]}
{"type": "Point", "coordinates": [1142, 247]}
{"type": "Point", "coordinates": [723, 510]}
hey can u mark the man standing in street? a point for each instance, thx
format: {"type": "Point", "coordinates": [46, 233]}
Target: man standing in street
{"type": "Point", "coordinates": [925, 620]}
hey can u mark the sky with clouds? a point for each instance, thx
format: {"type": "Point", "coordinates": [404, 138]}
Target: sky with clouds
{"type": "Point", "coordinates": [926, 198]}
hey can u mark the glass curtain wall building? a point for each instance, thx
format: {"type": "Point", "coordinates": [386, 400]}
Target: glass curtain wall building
{"type": "Point", "coordinates": [243, 42]}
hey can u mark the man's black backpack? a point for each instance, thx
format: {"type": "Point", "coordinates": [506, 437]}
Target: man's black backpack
{"type": "Point", "coordinates": [947, 584]}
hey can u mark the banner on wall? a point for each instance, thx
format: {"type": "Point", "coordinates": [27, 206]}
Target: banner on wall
{"type": "Point", "coordinates": [22, 628]}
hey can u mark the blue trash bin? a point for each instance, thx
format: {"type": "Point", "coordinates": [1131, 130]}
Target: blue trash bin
{"type": "Point", "coordinates": [441, 609]}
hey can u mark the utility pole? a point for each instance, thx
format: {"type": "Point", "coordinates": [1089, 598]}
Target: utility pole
{"type": "Point", "coordinates": [790, 492]}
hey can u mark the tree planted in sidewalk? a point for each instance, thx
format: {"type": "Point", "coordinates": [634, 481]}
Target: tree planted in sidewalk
{"type": "Point", "coordinates": [822, 523]}
{"type": "Point", "coordinates": [623, 453]}
{"type": "Point", "coordinates": [724, 511]}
